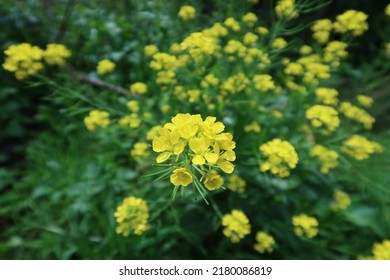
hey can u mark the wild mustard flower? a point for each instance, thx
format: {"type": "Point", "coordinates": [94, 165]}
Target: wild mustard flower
{"type": "Point", "coordinates": [236, 225]}
{"type": "Point", "coordinates": [139, 88]}
{"type": "Point", "coordinates": [23, 60]}
{"type": "Point", "coordinates": [235, 84]}
{"type": "Point", "coordinates": [210, 80]}
{"type": "Point", "coordinates": [323, 116]}
{"type": "Point", "coordinates": [322, 29]}
{"type": "Point", "coordinates": [281, 156]}
{"type": "Point", "coordinates": [263, 83]}
{"type": "Point", "coordinates": [56, 54]}
{"type": "Point", "coordinates": [279, 43]}
{"type": "Point", "coordinates": [199, 45]}
{"type": "Point", "coordinates": [286, 9]}
{"type": "Point", "coordinates": [97, 118]}
{"type": "Point", "coordinates": [351, 21]}
{"type": "Point", "coordinates": [381, 251]}
{"type": "Point", "coordinates": [105, 66]}
{"type": "Point", "coordinates": [359, 148]}
{"type": "Point", "coordinates": [250, 38]}
{"type": "Point", "coordinates": [305, 50]}
{"type": "Point", "coordinates": [365, 101]}
{"type": "Point", "coordinates": [327, 96]}
{"type": "Point", "coordinates": [236, 183]}
{"type": "Point", "coordinates": [252, 127]}
{"type": "Point", "coordinates": [153, 133]}
{"type": "Point", "coordinates": [293, 68]}
{"type": "Point", "coordinates": [187, 13]}
{"type": "Point", "coordinates": [133, 106]}
{"type": "Point", "coordinates": [132, 216]}
{"type": "Point", "coordinates": [212, 180]}
{"type": "Point", "coordinates": [334, 51]}
{"type": "Point", "coordinates": [328, 158]}
{"type": "Point", "coordinates": [249, 19]}
{"type": "Point", "coordinates": [181, 177]}
{"type": "Point", "coordinates": [342, 200]}
{"type": "Point", "coordinates": [357, 114]}
{"type": "Point", "coordinates": [262, 30]}
{"type": "Point", "coordinates": [264, 242]}
{"type": "Point", "coordinates": [140, 150]}
{"type": "Point", "coordinates": [232, 24]}
{"type": "Point", "coordinates": [131, 121]}
{"type": "Point", "coordinates": [305, 225]}
{"type": "Point", "coordinates": [150, 50]}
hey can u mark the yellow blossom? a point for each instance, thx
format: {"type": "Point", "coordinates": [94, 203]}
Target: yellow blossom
{"type": "Point", "coordinates": [150, 50]}
{"type": "Point", "coordinates": [139, 88]}
{"type": "Point", "coordinates": [342, 200]}
{"type": "Point", "coordinates": [187, 13]}
{"type": "Point", "coordinates": [381, 251]}
{"type": "Point", "coordinates": [132, 216]}
{"type": "Point", "coordinates": [181, 177]}
{"type": "Point", "coordinates": [323, 116]}
{"type": "Point", "coordinates": [321, 29]}
{"type": "Point", "coordinates": [105, 66]}
{"type": "Point", "coordinates": [387, 10]}
{"type": "Point", "coordinates": [286, 9]}
{"type": "Point", "coordinates": [212, 180]}
{"type": "Point", "coordinates": [253, 126]}
{"type": "Point", "coordinates": [305, 225]}
{"type": "Point", "coordinates": [264, 242]}
{"type": "Point", "coordinates": [351, 21]}
{"type": "Point", "coordinates": [328, 158]}
{"type": "Point", "coordinates": [132, 121]}
{"type": "Point", "coordinates": [250, 19]}
{"type": "Point", "coordinates": [56, 54]}
{"type": "Point", "coordinates": [140, 150]}
{"type": "Point", "coordinates": [327, 96]}
{"type": "Point", "coordinates": [357, 114]}
{"type": "Point", "coordinates": [360, 148]}
{"type": "Point", "coordinates": [153, 133]}
{"type": "Point", "coordinates": [236, 183]}
{"type": "Point", "coordinates": [96, 119]}
{"type": "Point", "coordinates": [279, 43]}
{"type": "Point", "coordinates": [232, 24]}
{"type": "Point", "coordinates": [236, 225]}
{"type": "Point", "coordinates": [263, 83]}
{"type": "Point", "coordinates": [365, 101]}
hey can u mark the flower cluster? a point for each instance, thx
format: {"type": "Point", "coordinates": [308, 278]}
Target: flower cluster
{"type": "Point", "coordinates": [328, 158]}
{"type": "Point", "coordinates": [187, 13]}
{"type": "Point", "coordinates": [236, 183]}
{"type": "Point", "coordinates": [132, 216]}
{"type": "Point", "coordinates": [105, 66]}
{"type": "Point", "coordinates": [140, 150]}
{"type": "Point", "coordinates": [351, 21]}
{"type": "Point", "coordinates": [286, 9]}
{"type": "Point", "coordinates": [264, 242]}
{"type": "Point", "coordinates": [381, 251]}
{"type": "Point", "coordinates": [342, 200]}
{"type": "Point", "coordinates": [327, 96]}
{"type": "Point", "coordinates": [323, 116]}
{"type": "Point", "coordinates": [139, 88]}
{"type": "Point", "coordinates": [197, 145]}
{"type": "Point", "coordinates": [281, 156]}
{"type": "Point", "coordinates": [25, 60]}
{"type": "Point", "coordinates": [236, 225]}
{"type": "Point", "coordinates": [357, 114]}
{"type": "Point", "coordinates": [305, 225]}
{"type": "Point", "coordinates": [358, 147]}
{"type": "Point", "coordinates": [96, 119]}
{"type": "Point", "coordinates": [364, 100]}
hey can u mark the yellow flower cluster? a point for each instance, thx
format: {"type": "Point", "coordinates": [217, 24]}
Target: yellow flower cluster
{"type": "Point", "coordinates": [236, 183]}
{"type": "Point", "coordinates": [199, 143]}
{"type": "Point", "coordinates": [286, 9]}
{"type": "Point", "coordinates": [199, 45]}
{"type": "Point", "coordinates": [235, 84]}
{"type": "Point", "coordinates": [365, 101]}
{"type": "Point", "coordinates": [236, 225]}
{"type": "Point", "coordinates": [187, 12]}
{"type": "Point", "coordinates": [166, 65]}
{"type": "Point", "coordinates": [328, 158]}
{"type": "Point", "coordinates": [253, 126]}
{"type": "Point", "coordinates": [250, 19]}
{"type": "Point", "coordinates": [322, 29]}
{"type": "Point", "coordinates": [321, 115]}
{"type": "Point", "coordinates": [327, 96]}
{"type": "Point", "coordinates": [357, 114]}
{"type": "Point", "coordinates": [358, 147]}
{"type": "Point", "coordinates": [140, 150]}
{"type": "Point", "coordinates": [263, 83]}
{"type": "Point", "coordinates": [381, 251]}
{"type": "Point", "coordinates": [139, 88]}
{"type": "Point", "coordinates": [96, 119]}
{"type": "Point", "coordinates": [150, 50]}
{"type": "Point", "coordinates": [351, 21]}
{"type": "Point", "coordinates": [305, 225]}
{"type": "Point", "coordinates": [232, 24]}
{"type": "Point", "coordinates": [105, 66]}
{"type": "Point", "coordinates": [281, 156]}
{"type": "Point", "coordinates": [56, 54]}
{"type": "Point", "coordinates": [132, 216]}
{"type": "Point", "coordinates": [264, 242]}
{"type": "Point", "coordinates": [342, 200]}
{"type": "Point", "coordinates": [24, 60]}
{"type": "Point", "coordinates": [279, 43]}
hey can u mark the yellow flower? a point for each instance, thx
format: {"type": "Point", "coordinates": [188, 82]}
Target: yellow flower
{"type": "Point", "coordinates": [305, 50]}
{"type": "Point", "coordinates": [328, 157]}
{"type": "Point", "coordinates": [139, 88]}
{"type": "Point", "coordinates": [236, 225]}
{"type": "Point", "coordinates": [381, 251]}
{"type": "Point", "coordinates": [321, 115]}
{"type": "Point", "coordinates": [199, 45]}
{"type": "Point", "coordinates": [236, 183]}
{"type": "Point", "coordinates": [263, 83]}
{"type": "Point", "coordinates": [351, 21]}
{"type": "Point", "coordinates": [133, 106]}
{"type": "Point", "coordinates": [364, 100]}
{"type": "Point", "coordinates": [342, 200]}
{"type": "Point", "coordinates": [387, 10]}
{"type": "Point", "coordinates": [357, 114]}
{"type": "Point", "coordinates": [181, 177]}
{"type": "Point", "coordinates": [132, 216]}
{"type": "Point", "coordinates": [305, 225]}
{"type": "Point", "coordinates": [286, 9]}
{"type": "Point", "coordinates": [359, 148]}
{"type": "Point", "coordinates": [24, 60]}
{"type": "Point", "coordinates": [279, 43]}
{"type": "Point", "coordinates": [321, 29]}
{"type": "Point", "coordinates": [153, 133]}
{"type": "Point", "coordinates": [105, 66]}
{"type": "Point", "coordinates": [250, 19]}
{"type": "Point", "coordinates": [250, 38]}
{"type": "Point", "coordinates": [200, 146]}
{"type": "Point", "coordinates": [168, 143]}
{"type": "Point", "coordinates": [97, 118]}
{"type": "Point", "coordinates": [232, 24]}
{"type": "Point", "coordinates": [140, 150]}
{"type": "Point", "coordinates": [265, 242]}
{"type": "Point", "coordinates": [212, 180]}
{"type": "Point", "coordinates": [187, 12]}
{"type": "Point", "coordinates": [281, 156]}
{"type": "Point", "coordinates": [56, 54]}
{"type": "Point", "coordinates": [150, 50]}
{"type": "Point", "coordinates": [235, 84]}
{"type": "Point", "coordinates": [262, 30]}
{"type": "Point", "coordinates": [327, 96]}
{"type": "Point", "coordinates": [253, 126]}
